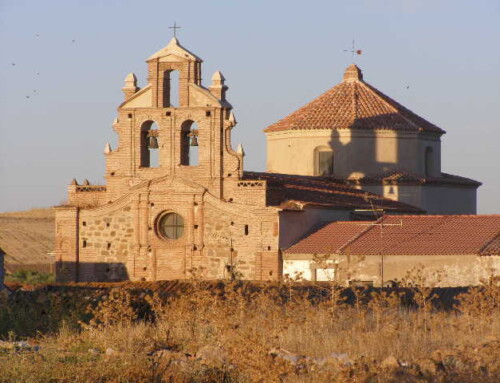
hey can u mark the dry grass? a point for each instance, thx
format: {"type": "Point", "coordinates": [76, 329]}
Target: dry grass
{"type": "Point", "coordinates": [269, 335]}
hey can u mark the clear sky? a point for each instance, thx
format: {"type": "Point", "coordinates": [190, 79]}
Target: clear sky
{"type": "Point", "coordinates": [62, 65]}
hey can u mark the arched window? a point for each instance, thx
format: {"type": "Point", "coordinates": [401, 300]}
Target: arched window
{"type": "Point", "coordinates": [170, 88]}
{"type": "Point", "coordinates": [323, 161]}
{"type": "Point", "coordinates": [429, 161]}
{"type": "Point", "coordinates": [189, 143]}
{"type": "Point", "coordinates": [150, 152]}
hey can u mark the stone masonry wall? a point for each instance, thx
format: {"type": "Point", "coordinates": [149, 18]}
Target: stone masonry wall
{"type": "Point", "coordinates": [105, 242]}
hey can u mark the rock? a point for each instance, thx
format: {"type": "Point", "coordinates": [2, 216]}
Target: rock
{"type": "Point", "coordinates": [94, 351]}
{"type": "Point", "coordinates": [165, 357]}
{"type": "Point", "coordinates": [334, 357]}
{"type": "Point", "coordinates": [389, 363]}
{"type": "Point", "coordinates": [286, 355]}
{"type": "Point", "coordinates": [18, 346]}
{"type": "Point", "coordinates": [110, 351]}
{"type": "Point", "coordinates": [7, 345]}
{"type": "Point", "coordinates": [427, 366]}
{"type": "Point", "coordinates": [442, 354]}
{"type": "Point", "coordinates": [341, 357]}
{"type": "Point", "coordinates": [214, 355]}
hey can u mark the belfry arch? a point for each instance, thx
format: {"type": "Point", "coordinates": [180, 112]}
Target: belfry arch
{"type": "Point", "coordinates": [149, 143]}
{"type": "Point", "coordinates": [189, 142]}
{"type": "Point", "coordinates": [171, 88]}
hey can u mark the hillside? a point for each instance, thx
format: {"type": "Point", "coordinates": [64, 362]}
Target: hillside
{"type": "Point", "coordinates": [26, 237]}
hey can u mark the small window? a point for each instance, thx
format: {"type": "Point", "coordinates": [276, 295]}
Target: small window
{"type": "Point", "coordinates": [323, 161]}
{"type": "Point", "coordinates": [429, 163]}
{"type": "Point", "coordinates": [246, 230]}
{"type": "Point", "coordinates": [171, 226]}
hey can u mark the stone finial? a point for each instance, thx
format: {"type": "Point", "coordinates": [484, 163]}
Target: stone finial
{"type": "Point", "coordinates": [218, 89]}
{"type": "Point", "coordinates": [130, 86]}
{"type": "Point", "coordinates": [218, 79]}
{"type": "Point", "coordinates": [240, 150]}
{"type": "Point", "coordinates": [353, 73]}
{"type": "Point", "coordinates": [130, 81]}
{"type": "Point", "coordinates": [115, 121]}
{"type": "Point", "coordinates": [86, 182]}
{"type": "Point", "coordinates": [74, 182]}
{"type": "Point", "coordinates": [232, 119]}
{"type": "Point", "coordinates": [107, 148]}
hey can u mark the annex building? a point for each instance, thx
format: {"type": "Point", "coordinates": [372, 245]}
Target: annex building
{"type": "Point", "coordinates": [177, 199]}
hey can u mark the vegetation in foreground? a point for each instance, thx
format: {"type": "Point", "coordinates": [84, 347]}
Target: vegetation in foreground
{"type": "Point", "coordinates": [236, 334]}
{"type": "Point", "coordinates": [29, 277]}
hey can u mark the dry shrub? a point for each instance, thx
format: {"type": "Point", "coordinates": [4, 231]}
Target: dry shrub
{"type": "Point", "coordinates": [239, 332]}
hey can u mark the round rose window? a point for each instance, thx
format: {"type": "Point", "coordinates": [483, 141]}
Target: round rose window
{"type": "Point", "coordinates": [171, 226]}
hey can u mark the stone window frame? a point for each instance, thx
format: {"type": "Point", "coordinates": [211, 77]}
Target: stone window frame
{"type": "Point", "coordinates": [158, 226]}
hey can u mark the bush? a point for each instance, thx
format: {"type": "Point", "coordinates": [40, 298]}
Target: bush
{"type": "Point", "coordinates": [29, 277]}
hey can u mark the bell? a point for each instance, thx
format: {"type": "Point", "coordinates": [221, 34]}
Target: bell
{"type": "Point", "coordinates": [153, 143]}
{"type": "Point", "coordinates": [194, 141]}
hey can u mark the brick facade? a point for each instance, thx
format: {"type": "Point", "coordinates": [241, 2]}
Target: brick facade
{"type": "Point", "coordinates": [230, 221]}
{"type": "Point", "coordinates": [110, 233]}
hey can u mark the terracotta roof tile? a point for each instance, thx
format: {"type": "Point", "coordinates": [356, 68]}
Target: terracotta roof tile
{"type": "Point", "coordinates": [410, 235]}
{"type": "Point", "coordinates": [354, 104]}
{"type": "Point", "coordinates": [285, 190]}
{"type": "Point", "coordinates": [323, 242]}
{"type": "Point", "coordinates": [493, 247]}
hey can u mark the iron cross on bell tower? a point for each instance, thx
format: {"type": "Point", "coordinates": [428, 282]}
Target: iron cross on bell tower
{"type": "Point", "coordinates": [175, 27]}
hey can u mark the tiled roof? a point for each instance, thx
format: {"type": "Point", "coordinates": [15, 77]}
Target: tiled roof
{"type": "Point", "coordinates": [323, 242]}
{"type": "Point", "coordinates": [354, 104]}
{"type": "Point", "coordinates": [409, 235]}
{"type": "Point", "coordinates": [286, 190]}
{"type": "Point", "coordinates": [493, 247]}
{"type": "Point", "coordinates": [402, 177]}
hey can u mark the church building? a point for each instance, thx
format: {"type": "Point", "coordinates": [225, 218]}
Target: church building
{"type": "Point", "coordinates": [355, 134]}
{"type": "Point", "coordinates": [178, 201]}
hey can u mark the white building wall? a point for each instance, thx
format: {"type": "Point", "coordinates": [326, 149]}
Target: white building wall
{"type": "Point", "coordinates": [433, 199]}
{"type": "Point", "coordinates": [355, 152]}
{"type": "Point", "coordinates": [449, 200]}
{"type": "Point", "coordinates": [308, 270]}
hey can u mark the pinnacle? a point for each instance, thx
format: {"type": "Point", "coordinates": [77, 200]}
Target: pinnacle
{"type": "Point", "coordinates": [217, 76]}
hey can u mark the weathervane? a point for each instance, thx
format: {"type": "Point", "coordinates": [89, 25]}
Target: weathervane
{"type": "Point", "coordinates": [354, 51]}
{"type": "Point", "coordinates": [175, 27]}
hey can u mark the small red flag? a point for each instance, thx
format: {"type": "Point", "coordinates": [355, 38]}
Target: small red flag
{"type": "Point", "coordinates": [359, 51]}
